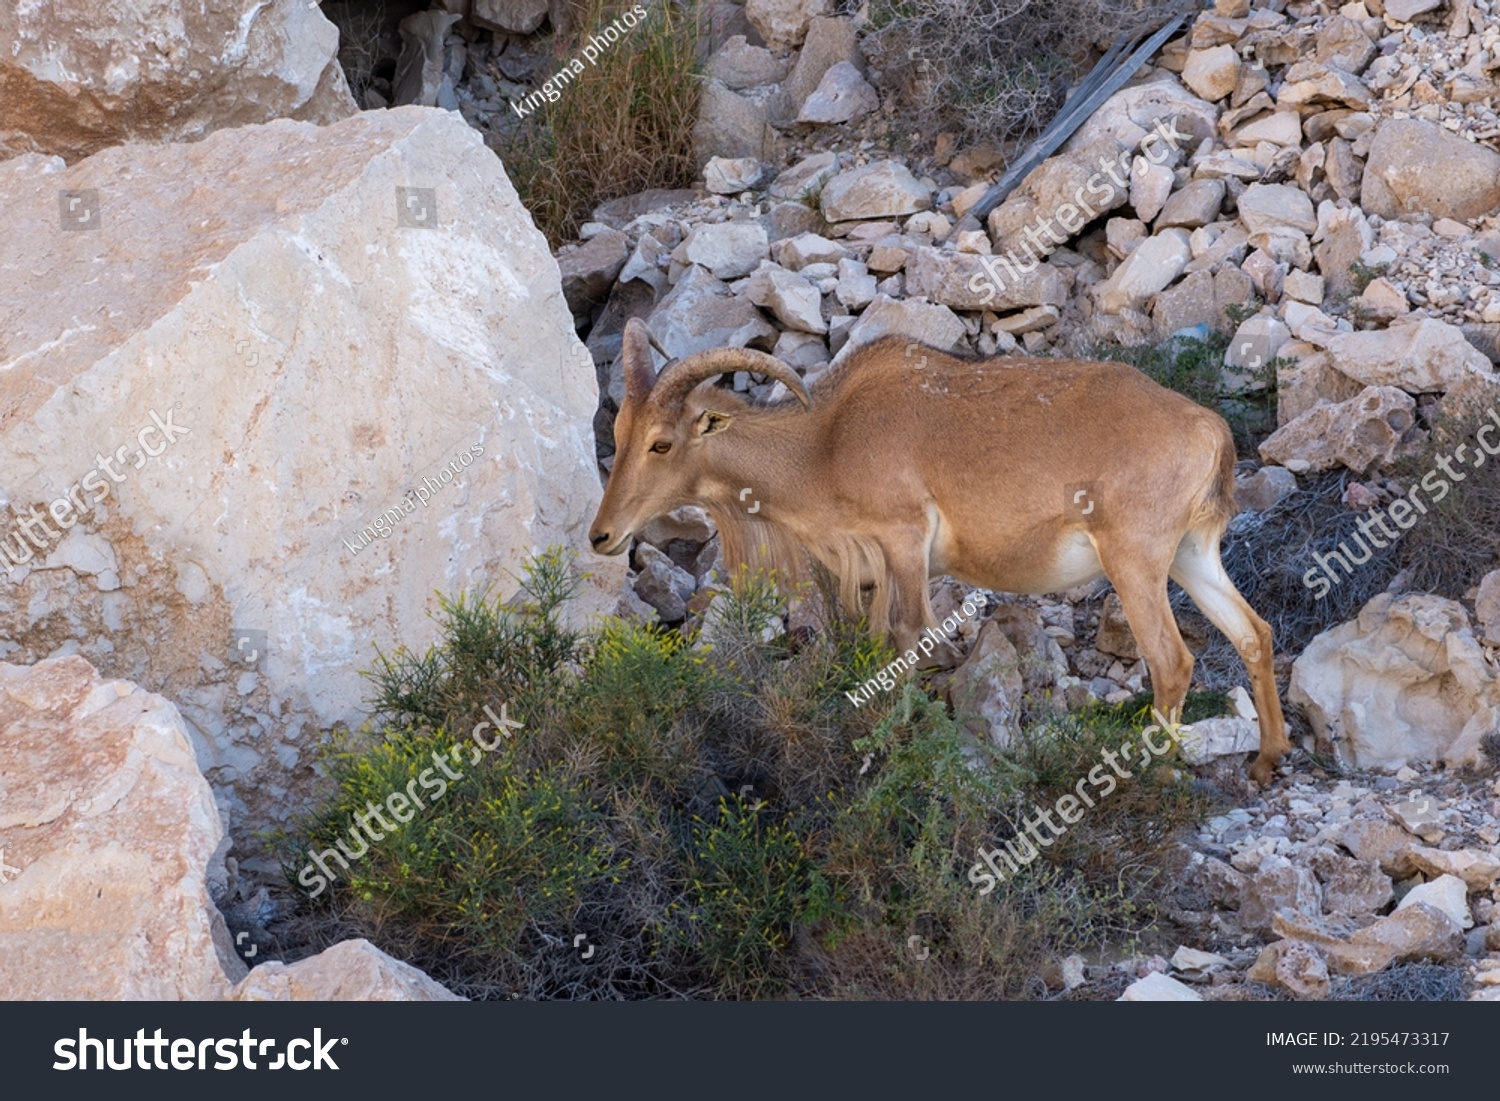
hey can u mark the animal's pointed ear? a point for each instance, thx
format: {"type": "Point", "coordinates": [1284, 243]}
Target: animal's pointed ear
{"type": "Point", "coordinates": [640, 371]}
{"type": "Point", "coordinates": [710, 422]}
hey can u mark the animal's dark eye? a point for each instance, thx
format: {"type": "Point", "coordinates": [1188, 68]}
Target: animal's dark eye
{"type": "Point", "coordinates": [661, 447]}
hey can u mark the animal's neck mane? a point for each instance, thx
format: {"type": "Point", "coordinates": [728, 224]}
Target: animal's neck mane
{"type": "Point", "coordinates": [772, 434]}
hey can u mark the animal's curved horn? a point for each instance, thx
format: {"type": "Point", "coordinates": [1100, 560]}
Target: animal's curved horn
{"type": "Point", "coordinates": [678, 379]}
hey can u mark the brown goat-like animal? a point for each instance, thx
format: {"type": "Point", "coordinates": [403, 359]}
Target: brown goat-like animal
{"type": "Point", "coordinates": [905, 462]}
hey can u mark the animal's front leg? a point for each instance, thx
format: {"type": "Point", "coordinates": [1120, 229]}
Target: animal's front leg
{"type": "Point", "coordinates": [912, 623]}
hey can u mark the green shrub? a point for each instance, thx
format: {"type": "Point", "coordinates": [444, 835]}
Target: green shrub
{"type": "Point", "coordinates": [746, 890]}
{"type": "Point", "coordinates": [719, 820]}
{"type": "Point", "coordinates": [627, 720]}
{"type": "Point", "coordinates": [491, 652]}
{"type": "Point", "coordinates": [491, 852]}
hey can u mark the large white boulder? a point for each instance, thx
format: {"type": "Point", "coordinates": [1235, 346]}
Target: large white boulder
{"type": "Point", "coordinates": [77, 76]}
{"type": "Point", "coordinates": [109, 842]}
{"type": "Point", "coordinates": [1404, 682]}
{"type": "Point", "coordinates": [112, 853]}
{"type": "Point", "coordinates": [358, 339]}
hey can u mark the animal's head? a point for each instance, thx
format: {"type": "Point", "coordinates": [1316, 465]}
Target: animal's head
{"type": "Point", "coordinates": [665, 429]}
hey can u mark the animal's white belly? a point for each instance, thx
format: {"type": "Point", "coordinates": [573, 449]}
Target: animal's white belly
{"type": "Point", "coordinates": [1077, 562]}
{"type": "Point", "coordinates": [1074, 562]}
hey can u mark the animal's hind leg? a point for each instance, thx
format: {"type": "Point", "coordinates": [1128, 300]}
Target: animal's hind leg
{"type": "Point", "coordinates": [1142, 585]}
{"type": "Point", "coordinates": [1199, 570]}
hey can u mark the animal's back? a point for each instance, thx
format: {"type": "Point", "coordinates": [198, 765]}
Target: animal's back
{"type": "Point", "coordinates": [929, 388]}
{"type": "Point", "coordinates": [1000, 447]}
{"type": "Point", "coordinates": [1057, 410]}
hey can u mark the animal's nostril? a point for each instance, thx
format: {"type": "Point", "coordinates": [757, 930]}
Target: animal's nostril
{"type": "Point", "coordinates": [600, 539]}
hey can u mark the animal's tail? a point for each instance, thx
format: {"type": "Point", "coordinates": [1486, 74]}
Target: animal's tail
{"type": "Point", "coordinates": [1215, 505]}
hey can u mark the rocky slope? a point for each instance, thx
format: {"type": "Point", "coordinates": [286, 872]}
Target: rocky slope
{"type": "Point", "coordinates": [1274, 160]}
{"type": "Point", "coordinates": [1333, 172]}
{"type": "Point", "coordinates": [1329, 172]}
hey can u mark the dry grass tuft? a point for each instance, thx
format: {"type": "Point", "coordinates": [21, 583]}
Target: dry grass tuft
{"type": "Point", "coordinates": [622, 126]}
{"type": "Point", "coordinates": [992, 70]}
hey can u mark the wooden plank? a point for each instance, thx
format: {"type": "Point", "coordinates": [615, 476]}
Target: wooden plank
{"type": "Point", "coordinates": [1104, 80]}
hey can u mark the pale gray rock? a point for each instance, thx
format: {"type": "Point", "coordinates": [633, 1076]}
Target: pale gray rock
{"type": "Point", "coordinates": [917, 320]}
{"type": "Point", "coordinates": [884, 189]}
{"type": "Point", "coordinates": [1157, 987]}
{"type": "Point", "coordinates": [842, 96]}
{"type": "Point", "coordinates": [701, 313]}
{"type": "Point", "coordinates": [111, 844]}
{"type": "Point", "coordinates": [1226, 736]}
{"type": "Point", "coordinates": [1423, 356]}
{"type": "Point", "coordinates": [796, 253]}
{"type": "Point", "coordinates": [726, 250]}
{"type": "Point", "coordinates": [1272, 207]}
{"type": "Point", "coordinates": [278, 343]}
{"type": "Point", "coordinates": [1276, 885]}
{"type": "Point", "coordinates": [1195, 205]}
{"type": "Point", "coordinates": [794, 301]}
{"type": "Point", "coordinates": [806, 177]}
{"type": "Point", "coordinates": [1151, 267]}
{"type": "Point", "coordinates": [732, 124]}
{"type": "Point", "coordinates": [350, 971]}
{"type": "Point", "coordinates": [966, 281]}
{"type": "Point", "coordinates": [514, 16]}
{"type": "Point", "coordinates": [1417, 167]}
{"type": "Point", "coordinates": [783, 23]}
{"type": "Point", "coordinates": [738, 65]}
{"type": "Point", "coordinates": [986, 690]}
{"type": "Point", "coordinates": [1354, 888]}
{"type": "Point", "coordinates": [589, 271]}
{"type": "Point", "coordinates": [730, 176]}
{"type": "Point", "coordinates": [1358, 433]}
{"type": "Point", "coordinates": [1265, 488]}
{"type": "Point", "coordinates": [1447, 893]}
